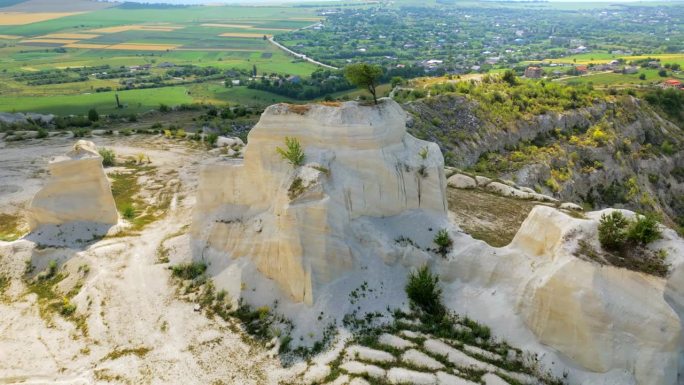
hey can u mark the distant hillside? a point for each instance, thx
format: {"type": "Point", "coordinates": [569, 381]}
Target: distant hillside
{"type": "Point", "coordinates": [579, 144]}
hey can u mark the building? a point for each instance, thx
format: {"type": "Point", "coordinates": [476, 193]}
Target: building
{"type": "Point", "coordinates": [671, 83]}
{"type": "Point", "coordinates": [581, 70]}
{"type": "Point", "coordinates": [533, 72]}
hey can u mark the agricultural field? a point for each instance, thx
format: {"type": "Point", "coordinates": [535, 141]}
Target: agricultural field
{"type": "Point", "coordinates": [38, 49]}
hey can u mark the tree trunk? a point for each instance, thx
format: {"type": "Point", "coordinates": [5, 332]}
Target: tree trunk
{"type": "Point", "coordinates": [371, 89]}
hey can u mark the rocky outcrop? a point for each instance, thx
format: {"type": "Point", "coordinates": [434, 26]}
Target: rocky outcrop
{"type": "Point", "coordinates": [76, 191]}
{"type": "Point", "coordinates": [294, 222]}
{"type": "Point", "coordinates": [602, 317]}
{"type": "Point", "coordinates": [366, 203]}
{"type": "Point", "coordinates": [641, 168]}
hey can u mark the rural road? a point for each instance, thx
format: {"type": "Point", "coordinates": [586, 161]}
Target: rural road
{"type": "Point", "coordinates": [299, 55]}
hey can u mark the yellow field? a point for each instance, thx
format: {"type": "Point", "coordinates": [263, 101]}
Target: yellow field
{"type": "Point", "coordinates": [10, 37]}
{"type": "Point", "coordinates": [55, 41]}
{"type": "Point", "coordinates": [244, 26]}
{"type": "Point", "coordinates": [241, 34]}
{"type": "Point", "coordinates": [584, 59]}
{"type": "Point", "coordinates": [21, 18]}
{"type": "Point", "coordinates": [78, 36]}
{"type": "Point", "coordinates": [227, 25]}
{"type": "Point", "coordinates": [141, 47]}
{"type": "Point", "coordinates": [124, 28]}
{"type": "Point", "coordinates": [202, 49]}
{"type": "Point", "coordinates": [86, 45]}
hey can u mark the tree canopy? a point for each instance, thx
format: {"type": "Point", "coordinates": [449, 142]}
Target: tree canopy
{"type": "Point", "coordinates": [365, 76]}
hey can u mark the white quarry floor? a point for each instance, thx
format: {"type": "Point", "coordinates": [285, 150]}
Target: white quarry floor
{"type": "Point", "coordinates": [138, 331]}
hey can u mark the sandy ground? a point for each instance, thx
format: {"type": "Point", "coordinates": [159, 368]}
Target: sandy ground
{"type": "Point", "coordinates": [138, 331]}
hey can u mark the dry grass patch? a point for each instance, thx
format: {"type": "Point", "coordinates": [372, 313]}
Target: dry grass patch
{"type": "Point", "coordinates": [245, 34]}
{"type": "Point", "coordinates": [56, 41]}
{"type": "Point", "coordinates": [87, 45]}
{"type": "Point", "coordinates": [331, 104]}
{"type": "Point", "coordinates": [118, 353]}
{"type": "Point", "coordinates": [136, 27]}
{"type": "Point", "coordinates": [77, 36]}
{"type": "Point", "coordinates": [11, 37]}
{"type": "Point", "coordinates": [300, 109]}
{"type": "Point", "coordinates": [219, 25]}
{"type": "Point", "coordinates": [142, 47]}
{"type": "Point", "coordinates": [21, 18]}
{"type": "Point", "coordinates": [488, 217]}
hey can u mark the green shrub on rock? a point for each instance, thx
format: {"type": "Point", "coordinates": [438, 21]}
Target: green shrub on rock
{"type": "Point", "coordinates": [644, 229]}
{"type": "Point", "coordinates": [423, 291]}
{"type": "Point", "coordinates": [443, 242]}
{"type": "Point", "coordinates": [611, 230]}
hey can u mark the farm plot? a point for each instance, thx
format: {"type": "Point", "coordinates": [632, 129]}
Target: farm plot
{"type": "Point", "coordinates": [21, 18]}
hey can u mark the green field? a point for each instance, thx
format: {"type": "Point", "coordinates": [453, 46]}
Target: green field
{"type": "Point", "coordinates": [136, 101]}
{"type": "Point", "coordinates": [183, 36]}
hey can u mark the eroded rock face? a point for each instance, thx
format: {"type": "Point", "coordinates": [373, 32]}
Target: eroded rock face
{"type": "Point", "coordinates": [602, 317]}
{"type": "Point", "coordinates": [294, 222]}
{"type": "Point", "coordinates": [76, 191]}
{"type": "Point", "coordinates": [369, 191]}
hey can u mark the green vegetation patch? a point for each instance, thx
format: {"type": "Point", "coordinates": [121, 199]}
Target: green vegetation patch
{"type": "Point", "coordinates": [140, 352]}
{"type": "Point", "coordinates": [11, 227]}
{"type": "Point", "coordinates": [127, 190]}
{"type": "Point", "coordinates": [51, 301]}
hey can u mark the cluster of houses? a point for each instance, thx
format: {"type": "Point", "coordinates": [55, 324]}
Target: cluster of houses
{"type": "Point", "coordinates": [616, 66]}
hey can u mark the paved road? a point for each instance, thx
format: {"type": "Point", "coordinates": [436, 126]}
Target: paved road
{"type": "Point", "coordinates": [299, 55]}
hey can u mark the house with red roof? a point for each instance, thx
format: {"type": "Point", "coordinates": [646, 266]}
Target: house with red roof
{"type": "Point", "coordinates": [671, 83]}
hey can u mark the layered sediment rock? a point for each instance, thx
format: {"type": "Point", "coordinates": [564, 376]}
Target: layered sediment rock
{"type": "Point", "coordinates": [293, 222]}
{"type": "Point", "coordinates": [76, 191]}
{"type": "Point", "coordinates": [354, 199]}
{"type": "Point", "coordinates": [602, 317]}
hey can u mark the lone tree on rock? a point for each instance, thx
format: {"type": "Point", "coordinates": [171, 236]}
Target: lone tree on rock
{"type": "Point", "coordinates": [365, 76]}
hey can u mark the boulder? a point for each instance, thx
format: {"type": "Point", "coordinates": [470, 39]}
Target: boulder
{"type": "Point", "coordinates": [77, 190]}
{"type": "Point", "coordinates": [482, 180]}
{"type": "Point", "coordinates": [223, 141]}
{"type": "Point", "coordinates": [507, 191]}
{"type": "Point", "coordinates": [571, 206]}
{"type": "Point", "coordinates": [461, 181]}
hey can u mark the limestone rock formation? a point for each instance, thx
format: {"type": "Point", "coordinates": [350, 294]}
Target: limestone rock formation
{"type": "Point", "coordinates": [367, 201]}
{"type": "Point", "coordinates": [76, 191]}
{"type": "Point", "coordinates": [294, 222]}
{"type": "Point", "coordinates": [602, 317]}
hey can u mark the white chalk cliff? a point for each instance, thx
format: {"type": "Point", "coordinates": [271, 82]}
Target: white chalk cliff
{"type": "Point", "coordinates": [77, 190]}
{"type": "Point", "coordinates": [367, 183]}
{"type": "Point", "coordinates": [294, 222]}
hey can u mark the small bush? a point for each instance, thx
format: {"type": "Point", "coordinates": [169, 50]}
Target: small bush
{"type": "Point", "coordinates": [644, 229]}
{"type": "Point", "coordinates": [190, 270]}
{"type": "Point", "coordinates": [293, 152]}
{"type": "Point", "coordinates": [423, 153]}
{"type": "Point", "coordinates": [423, 291]}
{"type": "Point", "coordinates": [80, 132]}
{"type": "Point", "coordinates": [128, 212]}
{"type": "Point", "coordinates": [68, 308]}
{"type": "Point", "coordinates": [42, 133]}
{"type": "Point", "coordinates": [108, 157]}
{"type": "Point", "coordinates": [212, 138]}
{"type": "Point", "coordinates": [93, 116]}
{"type": "Point", "coordinates": [611, 230]}
{"type": "Point", "coordinates": [51, 270]}
{"type": "Point", "coordinates": [443, 242]}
